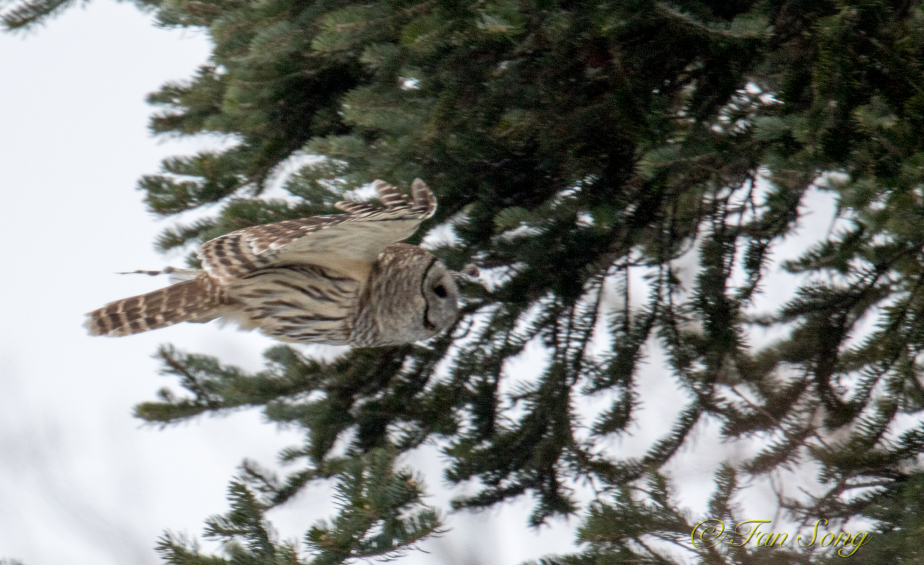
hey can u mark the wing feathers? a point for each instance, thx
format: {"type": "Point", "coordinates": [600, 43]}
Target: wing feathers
{"type": "Point", "coordinates": [423, 197]}
{"type": "Point", "coordinates": [390, 196]}
{"type": "Point", "coordinates": [423, 203]}
{"type": "Point", "coordinates": [354, 207]}
{"type": "Point", "coordinates": [358, 235]}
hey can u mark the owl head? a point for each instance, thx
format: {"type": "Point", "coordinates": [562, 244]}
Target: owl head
{"type": "Point", "coordinates": [410, 295]}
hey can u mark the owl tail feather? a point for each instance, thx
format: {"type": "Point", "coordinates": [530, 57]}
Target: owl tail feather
{"type": "Point", "coordinates": [196, 300]}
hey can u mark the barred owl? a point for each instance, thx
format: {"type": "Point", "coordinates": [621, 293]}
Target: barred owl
{"type": "Point", "coordinates": [337, 279]}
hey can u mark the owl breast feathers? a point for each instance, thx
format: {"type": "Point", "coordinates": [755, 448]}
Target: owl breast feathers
{"type": "Point", "coordinates": [339, 279]}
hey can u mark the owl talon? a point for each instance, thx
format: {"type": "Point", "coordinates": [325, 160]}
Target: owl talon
{"type": "Point", "coordinates": [469, 274]}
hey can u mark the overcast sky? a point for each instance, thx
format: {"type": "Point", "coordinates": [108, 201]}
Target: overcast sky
{"type": "Point", "coordinates": [81, 481]}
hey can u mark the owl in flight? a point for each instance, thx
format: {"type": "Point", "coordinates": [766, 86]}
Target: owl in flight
{"type": "Point", "coordinates": [339, 280]}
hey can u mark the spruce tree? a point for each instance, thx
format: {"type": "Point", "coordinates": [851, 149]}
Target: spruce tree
{"type": "Point", "coordinates": [570, 143]}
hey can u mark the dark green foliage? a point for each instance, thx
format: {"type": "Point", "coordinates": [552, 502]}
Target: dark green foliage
{"type": "Point", "coordinates": [899, 511]}
{"type": "Point", "coordinates": [29, 13]}
{"type": "Point", "coordinates": [571, 144]}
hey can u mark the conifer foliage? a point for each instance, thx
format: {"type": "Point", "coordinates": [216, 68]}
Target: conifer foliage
{"type": "Point", "coordinates": [570, 144]}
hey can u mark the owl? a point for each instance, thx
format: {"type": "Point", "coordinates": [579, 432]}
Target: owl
{"type": "Point", "coordinates": [339, 279]}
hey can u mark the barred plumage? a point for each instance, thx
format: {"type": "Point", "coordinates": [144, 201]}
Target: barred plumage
{"type": "Point", "coordinates": [196, 300]}
{"type": "Point", "coordinates": [301, 303]}
{"type": "Point", "coordinates": [361, 234]}
{"type": "Point", "coordinates": [337, 279]}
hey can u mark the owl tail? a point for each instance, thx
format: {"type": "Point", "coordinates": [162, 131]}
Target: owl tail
{"type": "Point", "coordinates": [195, 300]}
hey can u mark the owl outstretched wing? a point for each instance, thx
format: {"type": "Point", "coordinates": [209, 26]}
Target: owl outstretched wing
{"type": "Point", "coordinates": [347, 242]}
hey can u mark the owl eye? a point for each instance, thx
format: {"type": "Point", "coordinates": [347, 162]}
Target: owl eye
{"type": "Point", "coordinates": [440, 290]}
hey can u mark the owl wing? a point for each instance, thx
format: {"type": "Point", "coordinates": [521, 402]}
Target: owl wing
{"type": "Point", "coordinates": [356, 237]}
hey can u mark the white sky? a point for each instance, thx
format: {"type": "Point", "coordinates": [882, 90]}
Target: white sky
{"type": "Point", "coordinates": [81, 481]}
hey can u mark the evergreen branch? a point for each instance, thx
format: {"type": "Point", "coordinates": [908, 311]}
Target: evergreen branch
{"type": "Point", "coordinates": [29, 13]}
{"type": "Point", "coordinates": [371, 493]}
{"type": "Point", "coordinates": [217, 388]}
{"type": "Point", "coordinates": [381, 515]}
{"type": "Point", "coordinates": [180, 236]}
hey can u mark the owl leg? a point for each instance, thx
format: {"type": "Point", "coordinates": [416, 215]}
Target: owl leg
{"type": "Point", "coordinates": [176, 275]}
{"type": "Point", "coordinates": [468, 274]}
